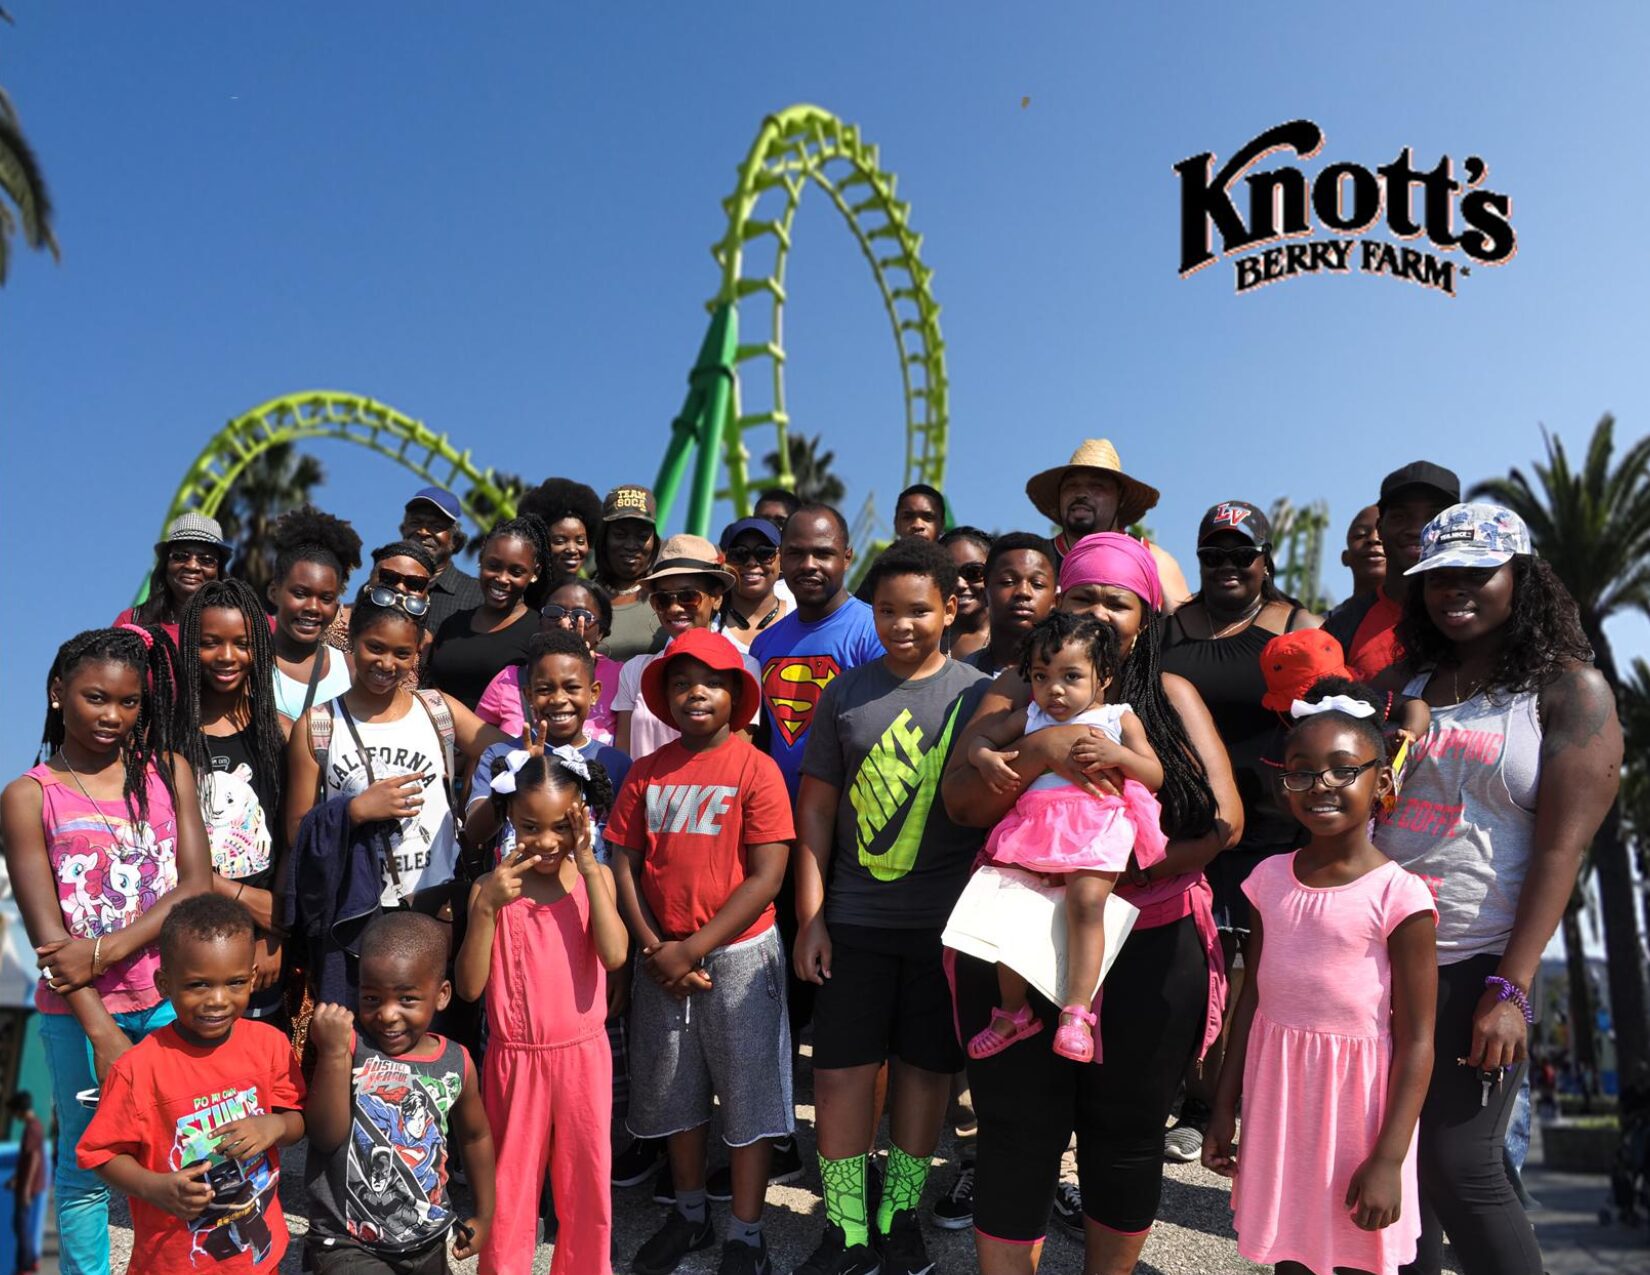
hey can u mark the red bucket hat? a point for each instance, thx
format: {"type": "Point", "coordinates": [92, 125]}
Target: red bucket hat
{"type": "Point", "coordinates": [714, 651]}
{"type": "Point", "coordinates": [1292, 662]}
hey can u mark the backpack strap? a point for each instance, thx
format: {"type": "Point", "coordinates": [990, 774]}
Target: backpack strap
{"type": "Point", "coordinates": [320, 743]}
{"type": "Point", "coordinates": [441, 717]}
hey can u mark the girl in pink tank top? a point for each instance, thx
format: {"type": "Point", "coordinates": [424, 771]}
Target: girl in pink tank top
{"type": "Point", "coordinates": [544, 932]}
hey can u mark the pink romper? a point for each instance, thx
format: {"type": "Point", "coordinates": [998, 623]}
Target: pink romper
{"type": "Point", "coordinates": [1315, 1076]}
{"type": "Point", "coordinates": [547, 1085]}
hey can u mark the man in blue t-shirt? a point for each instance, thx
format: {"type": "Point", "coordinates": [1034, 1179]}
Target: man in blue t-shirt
{"type": "Point", "coordinates": [829, 632]}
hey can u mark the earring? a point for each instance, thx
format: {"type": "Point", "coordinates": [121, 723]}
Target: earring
{"type": "Point", "coordinates": [55, 704]}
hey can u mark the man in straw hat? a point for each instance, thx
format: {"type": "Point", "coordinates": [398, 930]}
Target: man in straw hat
{"type": "Point", "coordinates": [1090, 493]}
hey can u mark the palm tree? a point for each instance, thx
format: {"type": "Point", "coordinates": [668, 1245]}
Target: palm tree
{"type": "Point", "coordinates": [23, 183]}
{"type": "Point", "coordinates": [278, 479]}
{"type": "Point", "coordinates": [810, 469]}
{"type": "Point", "coordinates": [1593, 527]}
{"type": "Point", "coordinates": [1633, 697]}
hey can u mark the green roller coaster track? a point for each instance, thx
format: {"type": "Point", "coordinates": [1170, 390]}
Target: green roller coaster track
{"type": "Point", "coordinates": [798, 146]}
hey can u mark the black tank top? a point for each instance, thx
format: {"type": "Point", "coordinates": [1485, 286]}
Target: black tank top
{"type": "Point", "coordinates": [1227, 674]}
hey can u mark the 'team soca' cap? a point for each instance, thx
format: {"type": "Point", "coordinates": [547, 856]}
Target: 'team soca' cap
{"type": "Point", "coordinates": [1472, 535]}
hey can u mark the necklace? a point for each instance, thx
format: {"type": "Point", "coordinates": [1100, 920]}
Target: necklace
{"type": "Point", "coordinates": [1455, 685]}
{"type": "Point", "coordinates": [79, 783]}
{"type": "Point", "coordinates": [745, 620]}
{"type": "Point", "coordinates": [1232, 627]}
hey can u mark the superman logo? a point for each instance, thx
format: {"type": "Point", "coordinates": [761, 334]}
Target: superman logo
{"type": "Point", "coordinates": [792, 685]}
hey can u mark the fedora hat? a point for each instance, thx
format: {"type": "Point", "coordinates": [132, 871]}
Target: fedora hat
{"type": "Point", "coordinates": [689, 555]}
{"type": "Point", "coordinates": [1133, 500]}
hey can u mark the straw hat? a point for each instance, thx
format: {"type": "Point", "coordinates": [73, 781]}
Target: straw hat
{"type": "Point", "coordinates": [1133, 500]}
{"type": "Point", "coordinates": [688, 555]}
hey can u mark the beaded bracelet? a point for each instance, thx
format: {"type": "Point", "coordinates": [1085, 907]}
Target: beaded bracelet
{"type": "Point", "coordinates": [1511, 991]}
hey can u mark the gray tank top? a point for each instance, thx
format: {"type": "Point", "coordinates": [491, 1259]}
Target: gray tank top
{"type": "Point", "coordinates": [1466, 816]}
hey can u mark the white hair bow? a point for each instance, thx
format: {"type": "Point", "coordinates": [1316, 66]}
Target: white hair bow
{"type": "Point", "coordinates": [504, 783]}
{"type": "Point", "coordinates": [1333, 704]}
{"type": "Point", "coordinates": [574, 760]}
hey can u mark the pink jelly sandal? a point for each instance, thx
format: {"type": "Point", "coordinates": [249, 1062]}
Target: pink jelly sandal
{"type": "Point", "coordinates": [1075, 1037]}
{"type": "Point", "coordinates": [991, 1041]}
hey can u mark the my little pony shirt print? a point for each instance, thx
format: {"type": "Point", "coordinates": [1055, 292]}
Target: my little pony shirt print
{"type": "Point", "coordinates": [235, 823]}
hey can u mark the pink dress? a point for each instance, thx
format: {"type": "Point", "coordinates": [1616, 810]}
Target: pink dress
{"type": "Point", "coordinates": [1057, 827]}
{"type": "Point", "coordinates": [1315, 1077]}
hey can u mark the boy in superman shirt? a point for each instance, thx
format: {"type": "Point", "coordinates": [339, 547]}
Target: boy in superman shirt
{"type": "Point", "coordinates": [700, 835]}
{"type": "Point", "coordinates": [189, 1119]}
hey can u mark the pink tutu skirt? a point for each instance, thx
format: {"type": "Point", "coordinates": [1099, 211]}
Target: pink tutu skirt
{"type": "Point", "coordinates": [1067, 830]}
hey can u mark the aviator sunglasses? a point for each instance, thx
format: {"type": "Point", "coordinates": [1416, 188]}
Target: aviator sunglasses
{"type": "Point", "coordinates": [688, 599]}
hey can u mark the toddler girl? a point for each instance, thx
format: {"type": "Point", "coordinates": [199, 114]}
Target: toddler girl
{"type": "Point", "coordinates": [1331, 1045]}
{"type": "Point", "coordinates": [1062, 829]}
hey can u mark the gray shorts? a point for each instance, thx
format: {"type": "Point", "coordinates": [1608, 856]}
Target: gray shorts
{"type": "Point", "coordinates": [732, 1043]}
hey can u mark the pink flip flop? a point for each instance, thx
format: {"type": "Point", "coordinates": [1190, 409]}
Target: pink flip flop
{"type": "Point", "coordinates": [991, 1041]}
{"type": "Point", "coordinates": [1075, 1037]}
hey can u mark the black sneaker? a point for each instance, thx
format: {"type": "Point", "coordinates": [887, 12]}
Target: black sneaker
{"type": "Point", "coordinates": [739, 1258]}
{"type": "Point", "coordinates": [1068, 1208]}
{"type": "Point", "coordinates": [902, 1249]}
{"type": "Point", "coordinates": [786, 1166]}
{"type": "Point", "coordinates": [664, 1185]}
{"type": "Point", "coordinates": [834, 1257]}
{"type": "Point", "coordinates": [1184, 1142]}
{"type": "Point", "coordinates": [635, 1164]}
{"type": "Point", "coordinates": [954, 1211]}
{"type": "Point", "coordinates": [671, 1243]}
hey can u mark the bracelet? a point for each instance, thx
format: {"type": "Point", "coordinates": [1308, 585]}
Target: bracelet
{"type": "Point", "coordinates": [240, 890]}
{"type": "Point", "coordinates": [97, 954]}
{"type": "Point", "coordinates": [1510, 991]}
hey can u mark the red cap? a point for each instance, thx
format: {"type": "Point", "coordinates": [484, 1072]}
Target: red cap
{"type": "Point", "coordinates": [1292, 662]}
{"type": "Point", "coordinates": [714, 651]}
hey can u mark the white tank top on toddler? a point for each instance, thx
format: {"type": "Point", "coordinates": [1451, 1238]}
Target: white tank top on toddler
{"type": "Point", "coordinates": [1107, 718]}
{"type": "Point", "coordinates": [424, 846]}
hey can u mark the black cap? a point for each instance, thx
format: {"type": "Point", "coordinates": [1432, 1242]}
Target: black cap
{"type": "Point", "coordinates": [1237, 516]}
{"type": "Point", "coordinates": [1422, 473]}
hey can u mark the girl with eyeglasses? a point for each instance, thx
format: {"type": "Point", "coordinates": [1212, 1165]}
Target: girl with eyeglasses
{"type": "Point", "coordinates": [750, 547]}
{"type": "Point", "coordinates": [580, 607]}
{"type": "Point", "coordinates": [1331, 1044]}
{"type": "Point", "coordinates": [971, 631]}
{"type": "Point", "coordinates": [314, 555]}
{"type": "Point", "coordinates": [1214, 641]}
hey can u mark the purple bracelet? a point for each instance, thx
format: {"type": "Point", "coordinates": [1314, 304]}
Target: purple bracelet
{"type": "Point", "coordinates": [1511, 991]}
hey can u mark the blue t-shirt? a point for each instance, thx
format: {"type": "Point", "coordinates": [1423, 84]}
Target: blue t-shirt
{"type": "Point", "coordinates": [799, 660]}
{"type": "Point", "coordinates": [615, 763]}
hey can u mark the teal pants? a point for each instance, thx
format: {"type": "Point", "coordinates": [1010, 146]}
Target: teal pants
{"type": "Point", "coordinates": [82, 1199]}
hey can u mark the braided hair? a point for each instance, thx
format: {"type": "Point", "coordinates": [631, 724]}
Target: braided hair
{"type": "Point", "coordinates": [405, 549]}
{"type": "Point", "coordinates": [531, 528]}
{"type": "Point", "coordinates": [1188, 801]}
{"type": "Point", "coordinates": [1058, 629]}
{"type": "Point", "coordinates": [150, 654]}
{"type": "Point", "coordinates": [268, 748]}
{"type": "Point", "coordinates": [309, 534]}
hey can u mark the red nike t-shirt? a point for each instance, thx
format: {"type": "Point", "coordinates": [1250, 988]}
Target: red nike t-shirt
{"type": "Point", "coordinates": [691, 817]}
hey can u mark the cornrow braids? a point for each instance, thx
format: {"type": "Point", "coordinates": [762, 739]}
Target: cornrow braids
{"type": "Point", "coordinates": [264, 721]}
{"type": "Point", "coordinates": [1059, 629]}
{"type": "Point", "coordinates": [531, 528]}
{"type": "Point", "coordinates": [153, 740]}
{"type": "Point", "coordinates": [1188, 801]}
{"type": "Point", "coordinates": [308, 534]}
{"type": "Point", "coordinates": [549, 771]}
{"type": "Point", "coordinates": [405, 549]}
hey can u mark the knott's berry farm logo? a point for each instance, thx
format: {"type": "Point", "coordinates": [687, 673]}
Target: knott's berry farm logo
{"type": "Point", "coordinates": [1347, 198]}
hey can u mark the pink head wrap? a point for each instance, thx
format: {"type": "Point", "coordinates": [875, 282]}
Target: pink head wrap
{"type": "Point", "coordinates": [1112, 558]}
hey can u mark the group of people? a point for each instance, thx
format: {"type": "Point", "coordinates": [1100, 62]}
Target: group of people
{"type": "Point", "coordinates": [632, 818]}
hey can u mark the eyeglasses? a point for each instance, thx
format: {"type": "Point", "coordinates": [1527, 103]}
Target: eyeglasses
{"type": "Point", "coordinates": [179, 556]}
{"type": "Point", "coordinates": [972, 572]}
{"type": "Point", "coordinates": [1240, 556]}
{"type": "Point", "coordinates": [395, 580]}
{"type": "Point", "coordinates": [688, 599]}
{"type": "Point", "coordinates": [739, 555]}
{"type": "Point", "coordinates": [381, 595]}
{"type": "Point", "coordinates": [1334, 777]}
{"type": "Point", "coordinates": [575, 615]}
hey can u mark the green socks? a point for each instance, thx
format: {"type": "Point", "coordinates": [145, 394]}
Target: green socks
{"type": "Point", "coordinates": [907, 1176]}
{"type": "Point", "coordinates": [844, 1183]}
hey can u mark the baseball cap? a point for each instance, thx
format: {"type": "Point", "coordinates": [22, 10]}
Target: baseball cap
{"type": "Point", "coordinates": [761, 526]}
{"type": "Point", "coordinates": [195, 529]}
{"type": "Point", "coordinates": [1421, 473]}
{"type": "Point", "coordinates": [1472, 535]}
{"type": "Point", "coordinates": [717, 652]}
{"type": "Point", "coordinates": [441, 498]}
{"type": "Point", "coordinates": [1292, 662]}
{"type": "Point", "coordinates": [630, 501]}
{"type": "Point", "coordinates": [1239, 516]}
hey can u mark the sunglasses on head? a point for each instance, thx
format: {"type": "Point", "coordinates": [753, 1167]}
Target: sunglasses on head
{"type": "Point", "coordinates": [573, 615]}
{"type": "Point", "coordinates": [394, 579]}
{"type": "Point", "coordinates": [972, 572]}
{"type": "Point", "coordinates": [178, 556]}
{"type": "Point", "coordinates": [381, 595]}
{"type": "Point", "coordinates": [763, 554]}
{"type": "Point", "coordinates": [1240, 556]}
{"type": "Point", "coordinates": [689, 599]}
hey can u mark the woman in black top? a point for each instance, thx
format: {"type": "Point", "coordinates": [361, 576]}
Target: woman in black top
{"type": "Point", "coordinates": [234, 740]}
{"type": "Point", "coordinates": [472, 646]}
{"type": "Point", "coordinates": [1214, 642]}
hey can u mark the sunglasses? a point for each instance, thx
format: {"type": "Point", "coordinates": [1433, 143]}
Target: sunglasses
{"type": "Point", "coordinates": [204, 557]}
{"type": "Point", "coordinates": [576, 615]}
{"type": "Point", "coordinates": [972, 572]}
{"type": "Point", "coordinates": [1334, 777]}
{"type": "Point", "coordinates": [688, 599]}
{"type": "Point", "coordinates": [1242, 557]}
{"type": "Point", "coordinates": [412, 584]}
{"type": "Point", "coordinates": [739, 555]}
{"type": "Point", "coordinates": [381, 595]}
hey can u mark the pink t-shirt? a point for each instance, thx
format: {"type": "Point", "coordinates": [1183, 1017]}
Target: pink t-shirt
{"type": "Point", "coordinates": [500, 703]}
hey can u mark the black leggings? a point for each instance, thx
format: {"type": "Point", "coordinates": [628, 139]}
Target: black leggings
{"type": "Point", "coordinates": [1029, 1099]}
{"type": "Point", "coordinates": [1464, 1189]}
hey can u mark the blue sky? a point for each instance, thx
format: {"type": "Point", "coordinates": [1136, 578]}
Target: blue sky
{"type": "Point", "coordinates": [496, 218]}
